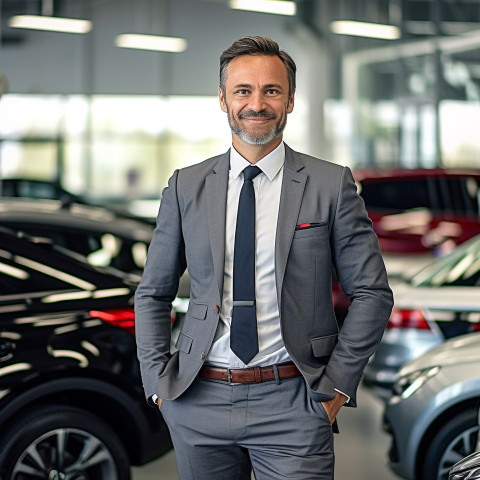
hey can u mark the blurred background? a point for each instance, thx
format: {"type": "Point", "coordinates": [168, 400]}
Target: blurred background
{"type": "Point", "coordinates": [102, 99]}
{"type": "Point", "coordinates": [111, 123]}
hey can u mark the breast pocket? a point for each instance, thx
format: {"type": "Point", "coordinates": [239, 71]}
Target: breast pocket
{"type": "Point", "coordinates": [313, 230]}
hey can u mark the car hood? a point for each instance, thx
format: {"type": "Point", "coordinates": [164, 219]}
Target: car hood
{"type": "Point", "coordinates": [456, 351]}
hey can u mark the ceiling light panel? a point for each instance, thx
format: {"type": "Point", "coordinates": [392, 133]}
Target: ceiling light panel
{"type": "Point", "coordinates": [276, 7]}
{"type": "Point", "coordinates": [151, 42]}
{"type": "Point", "coordinates": [53, 24]}
{"type": "Point", "coordinates": [362, 29]}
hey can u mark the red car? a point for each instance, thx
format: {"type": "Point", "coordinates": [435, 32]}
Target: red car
{"type": "Point", "coordinates": [416, 211]}
{"type": "Point", "coordinates": [421, 210]}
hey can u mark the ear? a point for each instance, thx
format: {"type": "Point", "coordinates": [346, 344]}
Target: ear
{"type": "Point", "coordinates": [221, 97]}
{"type": "Point", "coordinates": [290, 104]}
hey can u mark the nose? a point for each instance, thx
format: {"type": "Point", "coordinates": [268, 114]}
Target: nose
{"type": "Point", "coordinates": [257, 102]}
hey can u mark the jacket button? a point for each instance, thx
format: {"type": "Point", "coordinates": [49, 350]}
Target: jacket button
{"type": "Point", "coordinates": [216, 308]}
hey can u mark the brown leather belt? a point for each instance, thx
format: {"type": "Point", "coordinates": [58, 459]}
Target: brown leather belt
{"type": "Point", "coordinates": [249, 375]}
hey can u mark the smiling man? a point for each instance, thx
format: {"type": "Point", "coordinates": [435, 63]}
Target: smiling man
{"type": "Point", "coordinates": [257, 97]}
{"type": "Point", "coordinates": [261, 368]}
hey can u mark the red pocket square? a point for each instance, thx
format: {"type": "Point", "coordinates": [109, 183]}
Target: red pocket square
{"type": "Point", "coordinates": [303, 226]}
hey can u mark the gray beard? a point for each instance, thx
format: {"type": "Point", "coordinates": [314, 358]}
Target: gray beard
{"type": "Point", "coordinates": [256, 138]}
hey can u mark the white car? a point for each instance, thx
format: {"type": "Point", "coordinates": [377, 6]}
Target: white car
{"type": "Point", "coordinates": [440, 302]}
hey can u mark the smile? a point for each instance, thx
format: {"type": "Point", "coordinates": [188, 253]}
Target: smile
{"type": "Point", "coordinates": [257, 120]}
{"type": "Point", "coordinates": [252, 115]}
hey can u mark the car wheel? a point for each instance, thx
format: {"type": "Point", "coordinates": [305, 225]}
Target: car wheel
{"type": "Point", "coordinates": [454, 441]}
{"type": "Point", "coordinates": [62, 443]}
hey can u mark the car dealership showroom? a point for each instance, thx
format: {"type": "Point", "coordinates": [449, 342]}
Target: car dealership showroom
{"type": "Point", "coordinates": [101, 101]}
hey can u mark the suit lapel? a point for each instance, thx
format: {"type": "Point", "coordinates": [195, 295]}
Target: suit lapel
{"type": "Point", "coordinates": [293, 186]}
{"type": "Point", "coordinates": [216, 187]}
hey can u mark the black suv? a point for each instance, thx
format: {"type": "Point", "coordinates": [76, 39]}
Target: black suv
{"type": "Point", "coordinates": [102, 236]}
{"type": "Point", "coordinates": [71, 399]}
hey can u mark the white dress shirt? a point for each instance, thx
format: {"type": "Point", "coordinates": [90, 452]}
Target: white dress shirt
{"type": "Point", "coordinates": [267, 185]}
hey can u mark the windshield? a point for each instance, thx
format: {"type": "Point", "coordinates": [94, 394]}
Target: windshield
{"type": "Point", "coordinates": [461, 267]}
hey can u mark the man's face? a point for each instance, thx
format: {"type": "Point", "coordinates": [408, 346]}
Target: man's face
{"type": "Point", "coordinates": [256, 98]}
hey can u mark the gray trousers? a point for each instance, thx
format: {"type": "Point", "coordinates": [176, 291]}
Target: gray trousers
{"type": "Point", "coordinates": [222, 432]}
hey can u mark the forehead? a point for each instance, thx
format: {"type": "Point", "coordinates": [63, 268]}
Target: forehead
{"type": "Point", "coordinates": [256, 69]}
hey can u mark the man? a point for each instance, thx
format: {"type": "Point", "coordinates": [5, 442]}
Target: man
{"type": "Point", "coordinates": [261, 369]}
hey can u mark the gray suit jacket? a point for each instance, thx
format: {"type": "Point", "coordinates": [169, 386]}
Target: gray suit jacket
{"type": "Point", "coordinates": [191, 232]}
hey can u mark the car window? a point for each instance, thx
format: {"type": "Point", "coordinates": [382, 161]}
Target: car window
{"type": "Point", "coordinates": [78, 241]}
{"type": "Point", "coordinates": [29, 189]}
{"type": "Point", "coordinates": [396, 194]}
{"type": "Point", "coordinates": [447, 195]}
{"type": "Point", "coordinates": [460, 195]}
{"type": "Point", "coordinates": [101, 249]}
{"type": "Point", "coordinates": [460, 268]}
{"type": "Point", "coordinates": [23, 275]}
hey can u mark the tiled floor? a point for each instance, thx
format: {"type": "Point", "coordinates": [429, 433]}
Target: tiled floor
{"type": "Point", "coordinates": [361, 448]}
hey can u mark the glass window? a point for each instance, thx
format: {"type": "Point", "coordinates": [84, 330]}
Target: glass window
{"type": "Point", "coordinates": [396, 195]}
{"type": "Point", "coordinates": [29, 159]}
{"type": "Point", "coordinates": [459, 121]}
{"type": "Point", "coordinates": [31, 116]}
{"type": "Point", "coordinates": [108, 147]}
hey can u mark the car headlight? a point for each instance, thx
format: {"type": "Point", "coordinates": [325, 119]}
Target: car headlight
{"type": "Point", "coordinates": [406, 386]}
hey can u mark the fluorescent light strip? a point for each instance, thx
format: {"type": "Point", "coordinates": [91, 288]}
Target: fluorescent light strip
{"type": "Point", "coordinates": [79, 357]}
{"type": "Point", "coordinates": [362, 29]}
{"type": "Point", "coordinates": [275, 7]}
{"type": "Point", "coordinates": [17, 367]}
{"type": "Point", "coordinates": [62, 297]}
{"type": "Point", "coordinates": [53, 272]}
{"type": "Point", "coordinates": [12, 308]}
{"type": "Point", "coordinates": [110, 292]}
{"type": "Point", "coordinates": [54, 24]}
{"type": "Point", "coordinates": [13, 272]}
{"type": "Point", "coordinates": [151, 42]}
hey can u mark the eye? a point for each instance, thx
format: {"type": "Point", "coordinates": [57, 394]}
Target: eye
{"type": "Point", "coordinates": [272, 91]}
{"type": "Point", "coordinates": [242, 91]}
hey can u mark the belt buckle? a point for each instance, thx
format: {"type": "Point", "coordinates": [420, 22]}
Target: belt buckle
{"type": "Point", "coordinates": [229, 377]}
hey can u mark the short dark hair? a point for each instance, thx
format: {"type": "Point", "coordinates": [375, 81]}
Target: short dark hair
{"type": "Point", "coordinates": [257, 45]}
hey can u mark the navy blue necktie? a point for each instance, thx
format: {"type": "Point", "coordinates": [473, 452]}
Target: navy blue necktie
{"type": "Point", "coordinates": [243, 334]}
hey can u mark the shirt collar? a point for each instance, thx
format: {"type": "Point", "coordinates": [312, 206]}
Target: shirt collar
{"type": "Point", "coordinates": [271, 164]}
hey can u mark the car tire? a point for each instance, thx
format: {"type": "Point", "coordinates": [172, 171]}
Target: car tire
{"type": "Point", "coordinates": [59, 442]}
{"type": "Point", "coordinates": [454, 441]}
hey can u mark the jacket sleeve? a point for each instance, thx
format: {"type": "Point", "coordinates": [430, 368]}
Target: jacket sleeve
{"type": "Point", "coordinates": [158, 288]}
{"type": "Point", "coordinates": [362, 275]}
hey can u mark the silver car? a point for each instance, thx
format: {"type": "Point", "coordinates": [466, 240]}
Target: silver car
{"type": "Point", "coordinates": [432, 415]}
{"type": "Point", "coordinates": [438, 303]}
